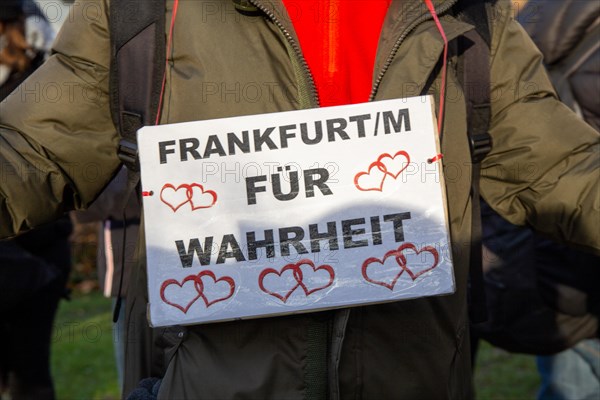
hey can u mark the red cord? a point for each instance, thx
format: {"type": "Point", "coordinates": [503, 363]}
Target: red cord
{"type": "Point", "coordinates": [169, 42]}
{"type": "Point", "coordinates": [431, 9]}
{"type": "Point", "coordinates": [435, 158]}
{"type": "Point", "coordinates": [429, 5]}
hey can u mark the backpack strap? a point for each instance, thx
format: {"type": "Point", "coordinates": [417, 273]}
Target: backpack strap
{"type": "Point", "coordinates": [137, 31]}
{"type": "Point", "coordinates": [474, 74]}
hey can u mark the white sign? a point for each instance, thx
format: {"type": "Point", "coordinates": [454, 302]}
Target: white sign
{"type": "Point", "coordinates": [294, 211]}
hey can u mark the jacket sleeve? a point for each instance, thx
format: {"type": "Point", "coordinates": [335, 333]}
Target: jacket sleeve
{"type": "Point", "coordinates": [57, 139]}
{"type": "Point", "coordinates": [109, 204]}
{"type": "Point", "coordinates": [543, 169]}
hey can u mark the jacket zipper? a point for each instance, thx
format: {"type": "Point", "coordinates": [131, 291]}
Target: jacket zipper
{"type": "Point", "coordinates": [313, 88]}
{"type": "Point", "coordinates": [443, 8]}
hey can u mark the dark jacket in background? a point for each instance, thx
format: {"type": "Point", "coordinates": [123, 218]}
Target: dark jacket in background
{"type": "Point", "coordinates": [543, 296]}
{"type": "Point", "coordinates": [562, 29]}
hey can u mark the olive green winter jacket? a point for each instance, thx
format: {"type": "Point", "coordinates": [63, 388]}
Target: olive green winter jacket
{"type": "Point", "coordinates": [57, 151]}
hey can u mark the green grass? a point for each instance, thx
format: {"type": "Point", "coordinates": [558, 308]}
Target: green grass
{"type": "Point", "coordinates": [500, 375]}
{"type": "Point", "coordinates": [83, 362]}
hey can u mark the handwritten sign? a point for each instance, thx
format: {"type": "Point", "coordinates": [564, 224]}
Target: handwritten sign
{"type": "Point", "coordinates": [295, 211]}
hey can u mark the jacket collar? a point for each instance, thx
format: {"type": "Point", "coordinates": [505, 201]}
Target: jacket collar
{"type": "Point", "coordinates": [401, 16]}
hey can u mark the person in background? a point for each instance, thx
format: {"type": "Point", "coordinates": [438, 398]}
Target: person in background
{"type": "Point", "coordinates": [568, 34]}
{"type": "Point", "coordinates": [542, 296]}
{"type": "Point", "coordinates": [33, 267]}
{"type": "Point", "coordinates": [25, 40]}
{"type": "Point", "coordinates": [119, 213]}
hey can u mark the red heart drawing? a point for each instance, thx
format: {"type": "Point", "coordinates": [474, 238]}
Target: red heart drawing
{"type": "Point", "coordinates": [207, 286]}
{"type": "Point", "coordinates": [197, 293]}
{"type": "Point", "coordinates": [195, 194]}
{"type": "Point", "coordinates": [405, 264]}
{"type": "Point", "coordinates": [303, 276]}
{"type": "Point", "coordinates": [175, 197]}
{"type": "Point", "coordinates": [288, 267]}
{"type": "Point", "coordinates": [371, 260]}
{"type": "Point", "coordinates": [201, 198]}
{"type": "Point", "coordinates": [372, 179]}
{"type": "Point", "coordinates": [393, 166]}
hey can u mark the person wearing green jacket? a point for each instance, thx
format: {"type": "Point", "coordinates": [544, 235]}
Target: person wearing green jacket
{"type": "Point", "coordinates": [57, 153]}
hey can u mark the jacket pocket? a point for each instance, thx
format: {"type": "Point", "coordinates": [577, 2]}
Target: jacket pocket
{"type": "Point", "coordinates": [168, 341]}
